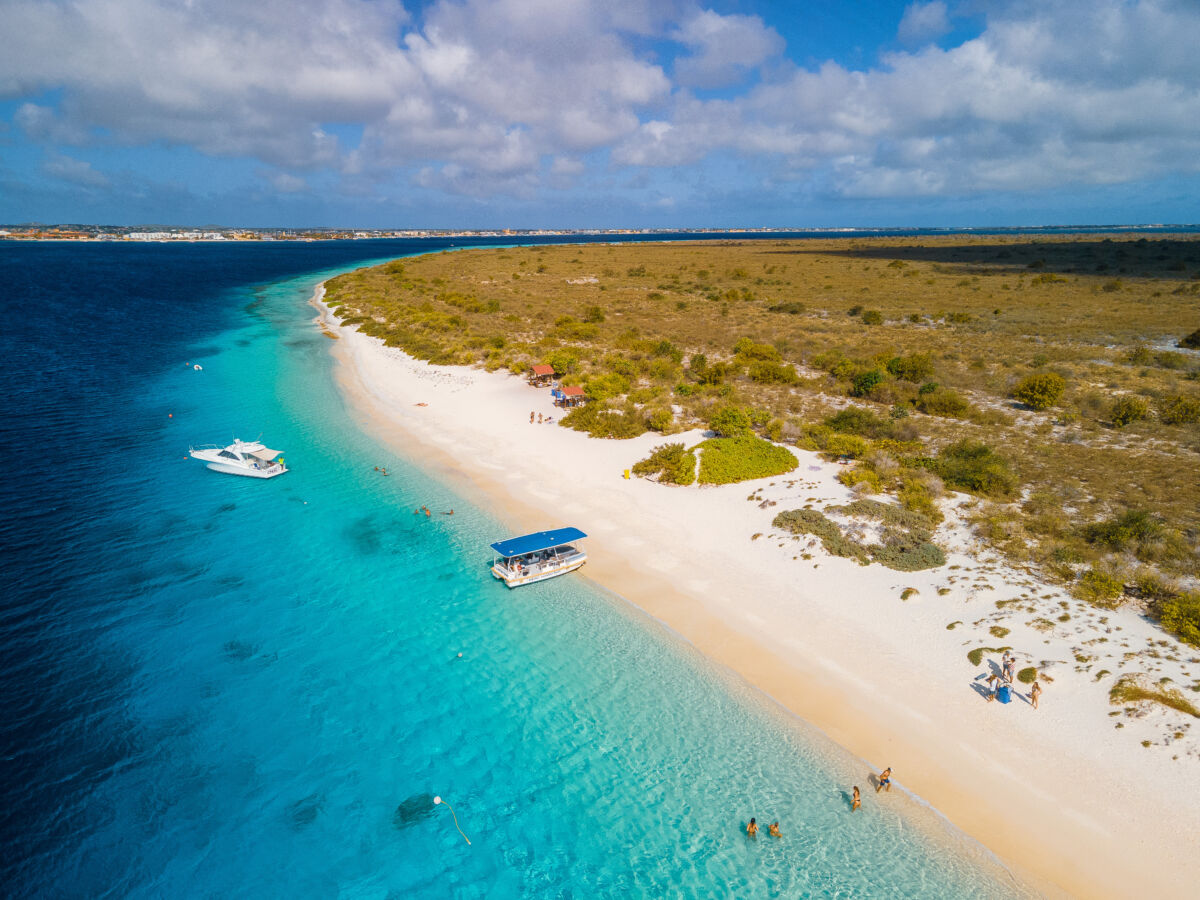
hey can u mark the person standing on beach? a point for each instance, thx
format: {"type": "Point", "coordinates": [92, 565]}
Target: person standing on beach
{"type": "Point", "coordinates": [856, 800]}
{"type": "Point", "coordinates": [1034, 692]}
{"type": "Point", "coordinates": [752, 828]}
{"type": "Point", "coordinates": [885, 780]}
{"type": "Point", "coordinates": [531, 418]}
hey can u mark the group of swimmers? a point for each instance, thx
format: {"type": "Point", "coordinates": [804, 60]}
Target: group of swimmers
{"type": "Point", "coordinates": [884, 783]}
{"type": "Point", "coordinates": [772, 829]}
{"type": "Point", "coordinates": [425, 509]}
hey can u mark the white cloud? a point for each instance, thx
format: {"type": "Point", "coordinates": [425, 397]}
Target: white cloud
{"type": "Point", "coordinates": [488, 97]}
{"type": "Point", "coordinates": [723, 48]}
{"type": "Point", "coordinates": [923, 22]}
{"type": "Point", "coordinates": [75, 171]}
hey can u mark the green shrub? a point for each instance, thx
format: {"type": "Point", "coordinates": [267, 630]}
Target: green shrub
{"type": "Point", "coordinates": [865, 381]}
{"type": "Point", "coordinates": [792, 307]}
{"type": "Point", "coordinates": [773, 373]}
{"type": "Point", "coordinates": [601, 421]}
{"type": "Point", "coordinates": [847, 445]}
{"type": "Point", "coordinates": [1180, 615]}
{"type": "Point", "coordinates": [1179, 409]}
{"type": "Point", "coordinates": [1192, 341]}
{"type": "Point", "coordinates": [1099, 588]}
{"type": "Point", "coordinates": [810, 521]}
{"type": "Point", "coordinates": [747, 349]}
{"type": "Point", "coordinates": [888, 513]}
{"type": "Point", "coordinates": [856, 420]}
{"type": "Point", "coordinates": [1128, 409]}
{"type": "Point", "coordinates": [908, 551]}
{"type": "Point", "coordinates": [943, 402]}
{"type": "Point", "coordinates": [915, 367]}
{"type": "Point", "coordinates": [914, 495]}
{"type": "Point", "coordinates": [606, 386]}
{"type": "Point", "coordinates": [1027, 675]}
{"type": "Point", "coordinates": [975, 467]}
{"type": "Point", "coordinates": [1130, 529]}
{"type": "Point", "coordinates": [742, 458]}
{"type": "Point", "coordinates": [1131, 689]}
{"type": "Point", "coordinates": [565, 360]}
{"type": "Point", "coordinates": [729, 421]}
{"type": "Point", "coordinates": [660, 419]}
{"type": "Point", "coordinates": [1040, 391]}
{"type": "Point", "coordinates": [671, 463]}
{"type": "Point", "coordinates": [594, 314]}
{"type": "Point", "coordinates": [858, 475]}
{"type": "Point", "coordinates": [872, 317]}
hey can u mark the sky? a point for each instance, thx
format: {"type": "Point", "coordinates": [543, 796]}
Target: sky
{"type": "Point", "coordinates": [599, 113]}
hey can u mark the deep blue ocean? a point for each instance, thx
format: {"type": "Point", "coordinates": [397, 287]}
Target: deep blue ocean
{"type": "Point", "coordinates": [214, 686]}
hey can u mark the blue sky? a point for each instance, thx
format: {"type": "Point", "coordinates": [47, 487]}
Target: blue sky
{"type": "Point", "coordinates": [599, 113]}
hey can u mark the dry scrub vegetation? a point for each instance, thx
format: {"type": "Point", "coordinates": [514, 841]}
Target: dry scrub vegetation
{"type": "Point", "coordinates": [1055, 377]}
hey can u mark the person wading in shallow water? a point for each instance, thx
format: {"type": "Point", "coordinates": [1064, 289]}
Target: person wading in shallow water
{"type": "Point", "coordinates": [856, 801]}
{"type": "Point", "coordinates": [885, 780]}
{"type": "Point", "coordinates": [752, 828]}
{"type": "Point", "coordinates": [773, 830]}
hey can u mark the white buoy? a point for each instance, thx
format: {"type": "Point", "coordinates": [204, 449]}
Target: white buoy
{"type": "Point", "coordinates": [198, 367]}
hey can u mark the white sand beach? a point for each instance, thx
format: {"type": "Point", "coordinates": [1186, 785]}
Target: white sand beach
{"type": "Point", "coordinates": [1068, 795]}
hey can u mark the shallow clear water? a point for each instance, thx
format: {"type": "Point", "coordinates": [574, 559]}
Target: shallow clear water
{"type": "Point", "coordinates": [216, 686]}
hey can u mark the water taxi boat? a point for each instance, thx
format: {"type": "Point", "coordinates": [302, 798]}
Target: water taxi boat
{"type": "Point", "coordinates": [241, 458]}
{"type": "Point", "coordinates": [537, 556]}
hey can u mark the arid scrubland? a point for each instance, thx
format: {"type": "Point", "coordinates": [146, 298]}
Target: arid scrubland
{"type": "Point", "coordinates": [1055, 378]}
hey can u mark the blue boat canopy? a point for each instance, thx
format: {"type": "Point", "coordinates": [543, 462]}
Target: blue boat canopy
{"type": "Point", "coordinates": [539, 540]}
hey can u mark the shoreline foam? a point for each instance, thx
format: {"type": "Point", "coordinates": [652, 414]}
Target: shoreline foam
{"type": "Point", "coordinates": [1068, 805]}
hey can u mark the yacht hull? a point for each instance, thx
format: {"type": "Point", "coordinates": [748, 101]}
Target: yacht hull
{"type": "Point", "coordinates": [542, 575]}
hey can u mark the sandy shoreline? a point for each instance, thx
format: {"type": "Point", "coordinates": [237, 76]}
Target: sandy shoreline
{"type": "Point", "coordinates": [1071, 803]}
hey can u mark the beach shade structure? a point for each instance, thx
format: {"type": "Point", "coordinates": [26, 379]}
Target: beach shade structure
{"type": "Point", "coordinates": [569, 396]}
{"type": "Point", "coordinates": [541, 375]}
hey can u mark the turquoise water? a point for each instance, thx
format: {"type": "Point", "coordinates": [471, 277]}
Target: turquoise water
{"type": "Point", "coordinates": [274, 689]}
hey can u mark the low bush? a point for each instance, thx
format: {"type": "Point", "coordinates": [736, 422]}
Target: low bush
{"type": "Point", "coordinates": [864, 382]}
{"type": "Point", "coordinates": [872, 317]}
{"type": "Point", "coordinates": [888, 513]}
{"type": "Point", "coordinates": [1128, 409]}
{"type": "Point", "coordinates": [1100, 588]}
{"type": "Point", "coordinates": [773, 373]}
{"type": "Point", "coordinates": [670, 464]}
{"type": "Point", "coordinates": [606, 386]}
{"type": "Point", "coordinates": [729, 421]}
{"type": "Point", "coordinates": [1027, 675]}
{"type": "Point", "coordinates": [915, 367]}
{"type": "Point", "coordinates": [908, 551]}
{"type": "Point", "coordinates": [864, 479]}
{"type": "Point", "coordinates": [943, 402]}
{"type": "Point", "coordinates": [1129, 530]}
{"type": "Point", "coordinates": [1180, 615]}
{"type": "Point", "coordinates": [810, 521]}
{"type": "Point", "coordinates": [1040, 391]}
{"type": "Point", "coordinates": [601, 421]}
{"type": "Point", "coordinates": [742, 458]}
{"type": "Point", "coordinates": [1179, 409]}
{"type": "Point", "coordinates": [791, 307]}
{"type": "Point", "coordinates": [975, 467]}
{"type": "Point", "coordinates": [856, 420]}
{"type": "Point", "coordinates": [747, 350]}
{"type": "Point", "coordinates": [1131, 689]}
{"type": "Point", "coordinates": [1192, 341]}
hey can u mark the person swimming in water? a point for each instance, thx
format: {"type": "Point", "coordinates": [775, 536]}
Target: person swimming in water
{"type": "Point", "coordinates": [752, 828]}
{"type": "Point", "coordinates": [773, 830]}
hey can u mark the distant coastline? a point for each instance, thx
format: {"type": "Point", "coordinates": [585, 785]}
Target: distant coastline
{"type": "Point", "coordinates": [218, 234]}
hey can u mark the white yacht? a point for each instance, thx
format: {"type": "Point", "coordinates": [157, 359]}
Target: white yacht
{"type": "Point", "coordinates": [241, 458]}
{"type": "Point", "coordinates": [538, 556]}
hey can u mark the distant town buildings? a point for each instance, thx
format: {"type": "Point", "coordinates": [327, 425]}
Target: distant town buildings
{"type": "Point", "coordinates": [136, 233]}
